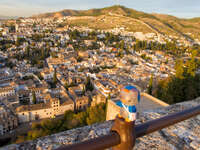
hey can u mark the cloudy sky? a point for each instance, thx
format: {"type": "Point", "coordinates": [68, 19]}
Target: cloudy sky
{"type": "Point", "coordinates": [180, 8]}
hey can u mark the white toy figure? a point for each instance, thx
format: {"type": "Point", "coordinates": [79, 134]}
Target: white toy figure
{"type": "Point", "coordinates": [130, 97]}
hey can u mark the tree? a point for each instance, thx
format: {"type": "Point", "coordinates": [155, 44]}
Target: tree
{"type": "Point", "coordinates": [68, 121]}
{"type": "Point", "coordinates": [79, 59]}
{"type": "Point", "coordinates": [43, 55]}
{"type": "Point", "coordinates": [185, 85]}
{"type": "Point", "coordinates": [18, 42]}
{"type": "Point", "coordinates": [84, 90]}
{"type": "Point", "coordinates": [192, 64]}
{"type": "Point", "coordinates": [81, 118]}
{"type": "Point", "coordinates": [150, 86]}
{"type": "Point", "coordinates": [122, 44]}
{"type": "Point", "coordinates": [96, 114]}
{"type": "Point", "coordinates": [179, 69]}
{"type": "Point", "coordinates": [34, 100]}
{"type": "Point", "coordinates": [191, 67]}
{"type": "Point", "coordinates": [88, 84]}
{"type": "Point", "coordinates": [27, 51]}
{"type": "Point", "coordinates": [55, 77]}
{"type": "Point", "coordinates": [108, 97]}
{"type": "Point", "coordinates": [66, 86]}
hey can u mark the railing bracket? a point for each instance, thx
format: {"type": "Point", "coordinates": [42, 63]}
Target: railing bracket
{"type": "Point", "coordinates": [126, 132]}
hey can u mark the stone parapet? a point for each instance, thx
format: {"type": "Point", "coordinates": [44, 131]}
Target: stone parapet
{"type": "Point", "coordinates": [184, 135]}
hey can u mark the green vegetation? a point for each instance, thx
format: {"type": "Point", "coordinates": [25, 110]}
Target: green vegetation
{"type": "Point", "coordinates": [166, 24]}
{"type": "Point", "coordinates": [150, 85]}
{"type": "Point", "coordinates": [132, 62]}
{"type": "Point", "coordinates": [19, 41]}
{"type": "Point", "coordinates": [38, 74]}
{"type": "Point", "coordinates": [79, 59]}
{"type": "Point", "coordinates": [55, 80]}
{"type": "Point", "coordinates": [34, 98]}
{"type": "Point", "coordinates": [67, 86]}
{"type": "Point", "coordinates": [80, 44]}
{"type": "Point", "coordinates": [28, 77]}
{"type": "Point", "coordinates": [88, 84]}
{"type": "Point", "coordinates": [70, 120]}
{"type": "Point", "coordinates": [184, 85]}
{"type": "Point", "coordinates": [5, 44]}
{"type": "Point", "coordinates": [33, 55]}
{"type": "Point", "coordinates": [169, 47]}
{"type": "Point", "coordinates": [121, 47]}
{"type": "Point", "coordinates": [143, 56]}
{"type": "Point", "coordinates": [117, 9]}
{"type": "Point", "coordinates": [9, 64]}
{"type": "Point", "coordinates": [129, 12]}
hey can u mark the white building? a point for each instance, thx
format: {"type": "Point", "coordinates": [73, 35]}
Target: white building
{"type": "Point", "coordinates": [50, 109]}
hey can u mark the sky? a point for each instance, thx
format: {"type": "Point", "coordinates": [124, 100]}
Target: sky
{"type": "Point", "coordinates": [25, 8]}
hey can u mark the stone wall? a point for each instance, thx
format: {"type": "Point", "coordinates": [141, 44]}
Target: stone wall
{"type": "Point", "coordinates": [112, 110]}
{"type": "Point", "coordinates": [147, 102]}
{"type": "Point", "coordinates": [184, 135]}
{"type": "Point", "coordinates": [154, 99]}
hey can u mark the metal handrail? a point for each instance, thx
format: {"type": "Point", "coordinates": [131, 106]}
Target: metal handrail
{"type": "Point", "coordinates": [113, 138]}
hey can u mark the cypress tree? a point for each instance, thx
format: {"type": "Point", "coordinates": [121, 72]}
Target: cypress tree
{"type": "Point", "coordinates": [34, 98]}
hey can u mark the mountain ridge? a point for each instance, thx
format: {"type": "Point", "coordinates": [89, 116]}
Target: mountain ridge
{"type": "Point", "coordinates": [2, 17]}
{"type": "Point", "coordinates": [95, 12]}
{"type": "Point", "coordinates": [132, 20]}
{"type": "Point", "coordinates": [101, 11]}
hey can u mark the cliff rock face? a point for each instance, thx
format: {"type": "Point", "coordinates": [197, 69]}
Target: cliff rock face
{"type": "Point", "coordinates": [184, 135]}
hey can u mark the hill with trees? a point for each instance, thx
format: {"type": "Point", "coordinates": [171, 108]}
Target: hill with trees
{"type": "Point", "coordinates": [132, 20]}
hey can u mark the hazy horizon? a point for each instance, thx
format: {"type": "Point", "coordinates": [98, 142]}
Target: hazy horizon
{"type": "Point", "coordinates": [26, 8]}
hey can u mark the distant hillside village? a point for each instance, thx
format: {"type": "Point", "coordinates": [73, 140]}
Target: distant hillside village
{"type": "Point", "coordinates": [48, 67]}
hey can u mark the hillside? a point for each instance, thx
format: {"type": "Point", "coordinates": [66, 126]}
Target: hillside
{"type": "Point", "coordinates": [120, 10]}
{"type": "Point", "coordinates": [7, 17]}
{"type": "Point", "coordinates": [131, 20]}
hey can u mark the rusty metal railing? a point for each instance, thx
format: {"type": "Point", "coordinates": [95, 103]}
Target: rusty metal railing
{"type": "Point", "coordinates": [114, 138]}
